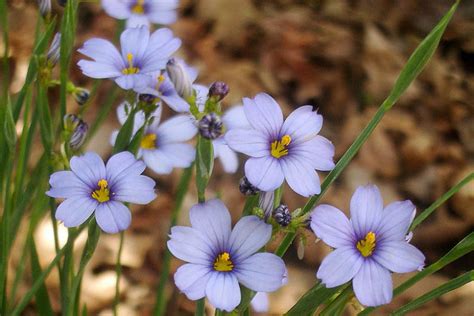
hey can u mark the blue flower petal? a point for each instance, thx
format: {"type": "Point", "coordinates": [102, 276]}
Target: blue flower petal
{"type": "Point", "coordinates": [191, 279]}
{"type": "Point", "coordinates": [300, 175]}
{"type": "Point", "coordinates": [302, 124]}
{"type": "Point", "coordinates": [75, 211]}
{"type": "Point", "coordinates": [248, 236]}
{"type": "Point", "coordinates": [113, 216]}
{"type": "Point", "coordinates": [265, 173]}
{"type": "Point", "coordinates": [179, 128]}
{"type": "Point", "coordinates": [213, 220]}
{"type": "Point", "coordinates": [399, 256]}
{"type": "Point", "coordinates": [89, 168]}
{"type": "Point", "coordinates": [227, 157]}
{"type": "Point", "coordinates": [65, 184]}
{"type": "Point", "coordinates": [340, 266]}
{"type": "Point", "coordinates": [373, 284]}
{"type": "Point", "coordinates": [103, 52]}
{"type": "Point", "coordinates": [134, 189]}
{"type": "Point", "coordinates": [223, 291]}
{"type": "Point", "coordinates": [248, 141]}
{"type": "Point", "coordinates": [318, 151]}
{"type": "Point", "coordinates": [123, 165]}
{"type": "Point", "coordinates": [264, 272]}
{"type": "Point", "coordinates": [366, 210]}
{"type": "Point", "coordinates": [190, 245]}
{"type": "Point", "coordinates": [396, 219]}
{"type": "Point", "coordinates": [264, 114]}
{"type": "Point", "coordinates": [157, 161]}
{"type": "Point", "coordinates": [332, 226]}
{"type": "Point", "coordinates": [134, 41]}
{"type": "Point", "coordinates": [116, 9]}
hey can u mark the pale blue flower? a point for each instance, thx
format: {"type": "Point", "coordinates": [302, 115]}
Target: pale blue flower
{"type": "Point", "coordinates": [141, 55]}
{"type": "Point", "coordinates": [164, 144]}
{"type": "Point", "coordinates": [142, 12]}
{"type": "Point", "coordinates": [279, 150]}
{"type": "Point", "coordinates": [368, 246]}
{"type": "Point", "coordinates": [260, 302]}
{"type": "Point", "coordinates": [92, 187]}
{"type": "Point", "coordinates": [219, 258]}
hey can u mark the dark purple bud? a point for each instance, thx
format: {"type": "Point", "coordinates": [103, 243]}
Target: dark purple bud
{"type": "Point", "coordinates": [81, 95]}
{"type": "Point", "coordinates": [282, 215]}
{"type": "Point", "coordinates": [246, 188]}
{"type": "Point", "coordinates": [78, 135]}
{"type": "Point", "coordinates": [210, 126]}
{"type": "Point", "coordinates": [218, 90]}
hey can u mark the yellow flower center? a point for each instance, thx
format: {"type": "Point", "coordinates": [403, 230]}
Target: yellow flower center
{"type": "Point", "coordinates": [279, 148]}
{"type": "Point", "coordinates": [102, 193]}
{"type": "Point", "coordinates": [130, 70]}
{"type": "Point", "coordinates": [139, 8]}
{"type": "Point", "coordinates": [223, 263]}
{"type": "Point", "coordinates": [366, 246]}
{"type": "Point", "coordinates": [148, 141]}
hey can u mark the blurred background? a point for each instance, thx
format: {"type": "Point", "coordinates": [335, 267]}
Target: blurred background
{"type": "Point", "coordinates": [340, 56]}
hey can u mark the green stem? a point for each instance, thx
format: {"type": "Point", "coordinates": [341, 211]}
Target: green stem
{"type": "Point", "coordinates": [200, 308]}
{"type": "Point", "coordinates": [118, 272]}
{"type": "Point", "coordinates": [183, 185]}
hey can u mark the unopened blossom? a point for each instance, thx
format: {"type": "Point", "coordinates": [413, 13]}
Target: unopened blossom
{"type": "Point", "coordinates": [246, 188]}
{"type": "Point", "coordinates": [93, 187]}
{"type": "Point", "coordinates": [211, 126]}
{"type": "Point", "coordinates": [164, 144]}
{"type": "Point", "coordinates": [44, 7]}
{"type": "Point", "coordinates": [54, 50]}
{"type": "Point", "coordinates": [179, 75]}
{"type": "Point", "coordinates": [162, 88]}
{"type": "Point", "coordinates": [368, 246]}
{"type": "Point", "coordinates": [141, 55]}
{"type": "Point", "coordinates": [142, 12]}
{"type": "Point", "coordinates": [279, 150]}
{"type": "Point", "coordinates": [219, 257]}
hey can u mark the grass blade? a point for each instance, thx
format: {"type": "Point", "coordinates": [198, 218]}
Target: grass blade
{"type": "Point", "coordinates": [435, 293]}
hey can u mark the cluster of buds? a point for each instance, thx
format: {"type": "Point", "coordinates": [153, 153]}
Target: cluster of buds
{"type": "Point", "coordinates": [77, 129]}
{"type": "Point", "coordinates": [218, 91]}
{"type": "Point", "coordinates": [282, 215]}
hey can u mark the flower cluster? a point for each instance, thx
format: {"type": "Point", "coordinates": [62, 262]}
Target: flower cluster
{"type": "Point", "coordinates": [220, 259]}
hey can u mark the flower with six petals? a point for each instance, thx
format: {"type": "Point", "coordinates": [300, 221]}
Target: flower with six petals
{"type": "Point", "coordinates": [219, 258]}
{"type": "Point", "coordinates": [93, 187]}
{"type": "Point", "coordinates": [368, 246]}
{"type": "Point", "coordinates": [279, 150]}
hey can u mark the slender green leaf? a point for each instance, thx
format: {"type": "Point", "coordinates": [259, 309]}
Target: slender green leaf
{"type": "Point", "coordinates": [68, 30]}
{"type": "Point", "coordinates": [312, 299]}
{"type": "Point", "coordinates": [200, 308]}
{"type": "Point", "coordinates": [40, 47]}
{"type": "Point", "coordinates": [46, 122]}
{"type": "Point", "coordinates": [160, 305]}
{"type": "Point", "coordinates": [9, 128]}
{"type": "Point", "coordinates": [435, 293]}
{"type": "Point", "coordinates": [337, 306]}
{"type": "Point", "coordinates": [204, 165]}
{"type": "Point", "coordinates": [93, 235]}
{"type": "Point", "coordinates": [43, 304]}
{"type": "Point", "coordinates": [125, 133]}
{"type": "Point", "coordinates": [250, 202]}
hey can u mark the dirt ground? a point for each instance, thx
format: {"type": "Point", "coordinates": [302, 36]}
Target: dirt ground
{"type": "Point", "coordinates": [340, 56]}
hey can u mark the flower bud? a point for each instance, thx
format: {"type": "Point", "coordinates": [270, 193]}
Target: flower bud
{"type": "Point", "coordinates": [265, 202]}
{"type": "Point", "coordinates": [180, 78]}
{"type": "Point", "coordinates": [282, 215]}
{"type": "Point", "coordinates": [62, 2]}
{"type": "Point", "coordinates": [210, 126]}
{"type": "Point", "coordinates": [218, 90]}
{"type": "Point", "coordinates": [71, 121]}
{"type": "Point", "coordinates": [81, 95]}
{"type": "Point", "coordinates": [53, 52]}
{"type": "Point", "coordinates": [44, 7]}
{"type": "Point", "coordinates": [246, 188]}
{"type": "Point", "coordinates": [78, 135]}
{"type": "Point", "coordinates": [147, 98]}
